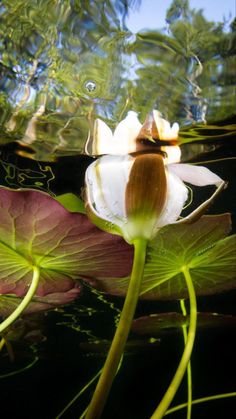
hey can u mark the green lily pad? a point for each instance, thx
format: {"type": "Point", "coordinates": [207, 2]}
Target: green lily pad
{"type": "Point", "coordinates": [202, 247]}
{"type": "Point", "coordinates": [37, 230]}
{"type": "Point", "coordinates": [155, 324]}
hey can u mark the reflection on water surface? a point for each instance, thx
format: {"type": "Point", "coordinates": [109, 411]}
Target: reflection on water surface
{"type": "Point", "coordinates": [64, 64]}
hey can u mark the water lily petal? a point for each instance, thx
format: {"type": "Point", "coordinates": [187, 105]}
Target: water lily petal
{"type": "Point", "coordinates": [125, 135]}
{"type": "Point", "coordinates": [101, 141]}
{"type": "Point", "coordinates": [172, 153]}
{"type": "Point", "coordinates": [176, 197]}
{"type": "Point", "coordinates": [106, 181]}
{"type": "Point", "coordinates": [196, 175]}
{"type": "Point", "coordinates": [165, 131]}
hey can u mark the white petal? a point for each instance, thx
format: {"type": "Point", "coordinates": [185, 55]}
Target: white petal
{"type": "Point", "coordinates": [106, 181]}
{"type": "Point", "coordinates": [173, 154]}
{"type": "Point", "coordinates": [175, 128]}
{"type": "Point", "coordinates": [126, 132]}
{"type": "Point", "coordinates": [176, 197]}
{"type": "Point", "coordinates": [102, 138]}
{"type": "Point", "coordinates": [196, 175]}
{"type": "Point", "coordinates": [165, 132]}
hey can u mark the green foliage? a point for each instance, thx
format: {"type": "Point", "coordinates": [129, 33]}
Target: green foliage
{"type": "Point", "coordinates": [181, 70]}
{"type": "Point", "coordinates": [201, 247]}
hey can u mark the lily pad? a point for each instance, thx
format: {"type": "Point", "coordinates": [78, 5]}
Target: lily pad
{"type": "Point", "coordinates": [101, 347]}
{"type": "Point", "coordinates": [26, 330]}
{"type": "Point", "coordinates": [8, 303]}
{"type": "Point", "coordinates": [155, 324]}
{"type": "Point", "coordinates": [37, 230]}
{"type": "Point", "coordinates": [201, 247]}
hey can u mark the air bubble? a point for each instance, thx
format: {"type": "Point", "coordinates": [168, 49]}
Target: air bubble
{"type": "Point", "coordinates": [90, 86]}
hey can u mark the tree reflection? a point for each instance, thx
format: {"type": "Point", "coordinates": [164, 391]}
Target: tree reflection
{"type": "Point", "coordinates": [51, 50]}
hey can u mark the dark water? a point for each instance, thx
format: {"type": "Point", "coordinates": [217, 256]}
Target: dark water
{"type": "Point", "coordinates": [62, 65]}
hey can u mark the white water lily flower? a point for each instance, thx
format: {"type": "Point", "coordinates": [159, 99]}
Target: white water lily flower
{"type": "Point", "coordinates": [137, 195]}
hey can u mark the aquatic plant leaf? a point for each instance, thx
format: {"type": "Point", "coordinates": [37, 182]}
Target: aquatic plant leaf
{"type": "Point", "coordinates": [155, 324]}
{"type": "Point", "coordinates": [71, 202]}
{"type": "Point", "coordinates": [8, 302]}
{"type": "Point", "coordinates": [36, 229]}
{"type": "Point", "coordinates": [201, 246]}
{"type": "Point", "coordinates": [212, 272]}
{"type": "Point", "coordinates": [26, 330]}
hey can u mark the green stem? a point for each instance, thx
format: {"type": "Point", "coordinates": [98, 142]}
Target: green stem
{"type": "Point", "coordinates": [78, 395]}
{"type": "Point", "coordinates": [201, 400]}
{"type": "Point", "coordinates": [118, 344]}
{"type": "Point", "coordinates": [24, 303]}
{"type": "Point", "coordinates": [174, 385]}
{"type": "Point", "coordinates": [2, 343]}
{"type": "Point", "coordinates": [189, 371]}
{"type": "Point", "coordinates": [23, 369]}
{"type": "Point", "coordinates": [68, 406]}
{"type": "Point", "coordinates": [10, 350]}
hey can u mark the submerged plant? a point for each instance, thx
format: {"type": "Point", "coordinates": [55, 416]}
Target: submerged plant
{"type": "Point", "coordinates": [135, 196]}
{"type": "Point", "coordinates": [136, 191]}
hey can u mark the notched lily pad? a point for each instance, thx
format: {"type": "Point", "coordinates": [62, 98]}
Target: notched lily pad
{"type": "Point", "coordinates": [202, 247]}
{"type": "Point", "coordinates": [156, 324]}
{"type": "Point", "coordinates": [36, 229]}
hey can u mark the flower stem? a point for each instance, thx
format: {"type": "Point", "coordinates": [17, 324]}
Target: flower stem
{"type": "Point", "coordinates": [118, 344]}
{"type": "Point", "coordinates": [174, 385]}
{"type": "Point", "coordinates": [189, 371]}
{"type": "Point", "coordinates": [24, 303]}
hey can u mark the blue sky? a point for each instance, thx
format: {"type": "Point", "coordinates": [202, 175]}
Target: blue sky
{"type": "Point", "coordinates": [151, 13]}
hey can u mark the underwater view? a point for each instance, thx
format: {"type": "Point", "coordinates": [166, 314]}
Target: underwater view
{"type": "Point", "coordinates": [117, 209]}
